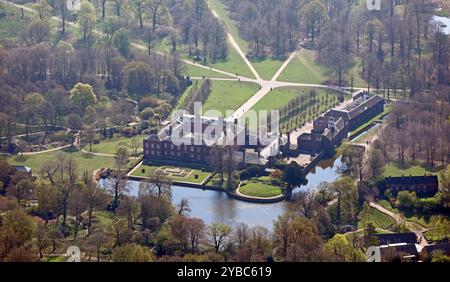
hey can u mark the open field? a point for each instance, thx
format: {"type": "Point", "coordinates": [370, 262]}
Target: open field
{"type": "Point", "coordinates": [267, 67]}
{"type": "Point", "coordinates": [280, 97]}
{"type": "Point", "coordinates": [304, 69]}
{"type": "Point", "coordinates": [394, 169]}
{"type": "Point", "coordinates": [85, 161]}
{"type": "Point", "coordinates": [185, 175]}
{"type": "Point", "coordinates": [10, 24]}
{"type": "Point", "coordinates": [233, 64]}
{"type": "Point", "coordinates": [193, 71]}
{"type": "Point", "coordinates": [110, 146]}
{"type": "Point", "coordinates": [260, 190]}
{"type": "Point", "coordinates": [229, 95]}
{"type": "Point", "coordinates": [379, 219]}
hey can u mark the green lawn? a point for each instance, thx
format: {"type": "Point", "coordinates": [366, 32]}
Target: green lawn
{"type": "Point", "coordinates": [110, 146]}
{"type": "Point", "coordinates": [229, 95]}
{"type": "Point", "coordinates": [233, 64]}
{"type": "Point", "coordinates": [380, 219]}
{"type": "Point", "coordinates": [267, 67]}
{"type": "Point", "coordinates": [260, 190]}
{"type": "Point", "coordinates": [304, 69]}
{"type": "Point", "coordinates": [394, 169]}
{"type": "Point", "coordinates": [193, 71]}
{"type": "Point", "coordinates": [11, 24]}
{"type": "Point", "coordinates": [85, 162]}
{"type": "Point", "coordinates": [355, 71]}
{"type": "Point", "coordinates": [56, 259]}
{"type": "Point", "coordinates": [145, 170]}
{"type": "Point", "coordinates": [280, 97]}
{"type": "Point", "coordinates": [385, 204]}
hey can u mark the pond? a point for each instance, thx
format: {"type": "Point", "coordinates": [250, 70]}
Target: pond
{"type": "Point", "coordinates": [445, 22]}
{"type": "Point", "coordinates": [213, 206]}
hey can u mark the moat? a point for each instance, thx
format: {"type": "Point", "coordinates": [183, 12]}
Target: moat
{"type": "Point", "coordinates": [214, 206]}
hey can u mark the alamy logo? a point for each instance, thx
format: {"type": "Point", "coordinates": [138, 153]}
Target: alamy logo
{"type": "Point", "coordinates": [373, 254]}
{"type": "Point", "coordinates": [73, 254]}
{"type": "Point", "coordinates": [73, 5]}
{"type": "Point", "coordinates": [374, 5]}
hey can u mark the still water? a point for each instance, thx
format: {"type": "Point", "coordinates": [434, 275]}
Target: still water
{"type": "Point", "coordinates": [213, 206]}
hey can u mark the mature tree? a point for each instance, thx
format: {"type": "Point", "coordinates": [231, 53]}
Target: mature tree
{"type": "Point", "coordinates": [89, 135]}
{"type": "Point", "coordinates": [47, 198]}
{"type": "Point", "coordinates": [343, 251]}
{"type": "Point", "coordinates": [218, 235]}
{"type": "Point", "coordinates": [63, 12]}
{"type": "Point", "coordinates": [179, 227]}
{"type": "Point", "coordinates": [157, 185]}
{"type": "Point", "coordinates": [98, 239]}
{"type": "Point", "coordinates": [74, 122]}
{"type": "Point", "coordinates": [36, 32]}
{"type": "Point", "coordinates": [132, 253]}
{"type": "Point", "coordinates": [315, 15]}
{"type": "Point", "coordinates": [154, 211]}
{"type": "Point", "coordinates": [138, 77]}
{"type": "Point", "coordinates": [122, 157]}
{"type": "Point", "coordinates": [110, 26]}
{"type": "Point", "coordinates": [345, 192]}
{"type": "Point", "coordinates": [82, 96]}
{"type": "Point", "coordinates": [17, 229]}
{"type": "Point", "coordinates": [296, 239]}
{"type": "Point", "coordinates": [155, 8]}
{"type": "Point", "coordinates": [22, 190]}
{"type": "Point", "coordinates": [138, 7]}
{"type": "Point", "coordinates": [86, 19]}
{"type": "Point", "coordinates": [42, 239]}
{"type": "Point", "coordinates": [406, 200]}
{"type": "Point", "coordinates": [78, 205]}
{"type": "Point", "coordinates": [121, 41]}
{"type": "Point", "coordinates": [62, 173]}
{"type": "Point", "coordinates": [44, 10]}
{"type": "Point", "coordinates": [376, 162]}
{"type": "Point", "coordinates": [354, 156]}
{"type": "Point", "coordinates": [184, 207]}
{"type": "Point", "coordinates": [95, 198]}
{"type": "Point", "coordinates": [294, 177]}
{"type": "Point", "coordinates": [306, 204]}
{"type": "Point", "coordinates": [196, 233]}
{"type": "Point", "coordinates": [118, 186]}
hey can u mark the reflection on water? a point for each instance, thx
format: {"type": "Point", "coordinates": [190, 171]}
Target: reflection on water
{"type": "Point", "coordinates": [445, 22]}
{"type": "Point", "coordinates": [213, 206]}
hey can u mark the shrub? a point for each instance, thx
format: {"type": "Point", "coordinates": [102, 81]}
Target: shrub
{"type": "Point", "coordinates": [128, 132]}
{"type": "Point", "coordinates": [148, 102]}
{"type": "Point", "coordinates": [57, 137]}
{"type": "Point", "coordinates": [251, 172]}
{"type": "Point", "coordinates": [147, 113]}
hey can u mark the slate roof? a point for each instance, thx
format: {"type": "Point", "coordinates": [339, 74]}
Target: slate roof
{"type": "Point", "coordinates": [443, 247]}
{"type": "Point", "coordinates": [412, 180]}
{"type": "Point", "coordinates": [22, 168]}
{"type": "Point", "coordinates": [395, 238]}
{"type": "Point", "coordinates": [406, 250]}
